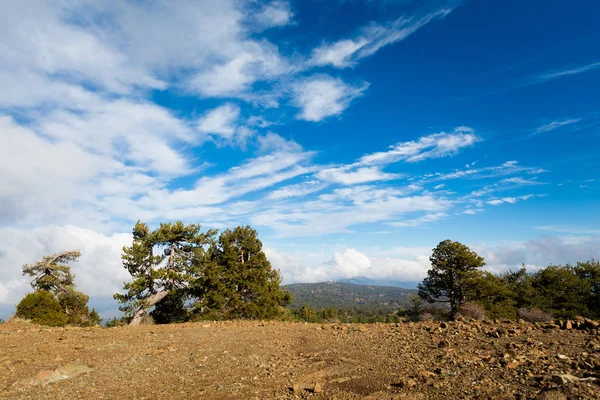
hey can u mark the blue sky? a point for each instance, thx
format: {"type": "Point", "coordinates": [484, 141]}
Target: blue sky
{"type": "Point", "coordinates": [353, 135]}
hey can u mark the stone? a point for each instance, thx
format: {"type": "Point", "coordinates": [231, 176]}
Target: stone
{"type": "Point", "coordinates": [317, 388]}
{"type": "Point", "coordinates": [564, 379]}
{"type": "Point", "coordinates": [568, 325]}
{"type": "Point", "coordinates": [45, 377]}
{"type": "Point", "coordinates": [426, 374]}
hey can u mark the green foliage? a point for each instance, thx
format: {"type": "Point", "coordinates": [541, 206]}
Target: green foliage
{"type": "Point", "coordinates": [560, 291]}
{"type": "Point", "coordinates": [348, 296]}
{"type": "Point", "coordinates": [177, 265]}
{"type": "Point", "coordinates": [493, 293]}
{"type": "Point", "coordinates": [52, 276]}
{"type": "Point", "coordinates": [414, 309]}
{"type": "Point", "coordinates": [179, 249]}
{"type": "Point", "coordinates": [453, 265]}
{"type": "Point", "coordinates": [171, 309]}
{"type": "Point", "coordinates": [237, 280]}
{"type": "Point", "coordinates": [74, 304]}
{"type": "Point", "coordinates": [112, 323]}
{"type": "Point", "coordinates": [50, 273]}
{"type": "Point", "coordinates": [307, 313]}
{"type": "Point", "coordinates": [590, 272]}
{"type": "Point", "coordinates": [94, 318]}
{"type": "Point", "coordinates": [41, 308]}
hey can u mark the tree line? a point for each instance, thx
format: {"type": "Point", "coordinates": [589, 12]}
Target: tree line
{"type": "Point", "coordinates": [456, 279]}
{"type": "Point", "coordinates": [180, 273]}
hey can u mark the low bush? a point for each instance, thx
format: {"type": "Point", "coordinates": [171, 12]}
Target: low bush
{"type": "Point", "coordinates": [423, 317]}
{"type": "Point", "coordinates": [534, 315]}
{"type": "Point", "coordinates": [472, 311]}
{"type": "Point", "coordinates": [42, 308]}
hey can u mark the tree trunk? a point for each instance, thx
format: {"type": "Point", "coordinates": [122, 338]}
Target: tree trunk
{"type": "Point", "coordinates": [143, 310]}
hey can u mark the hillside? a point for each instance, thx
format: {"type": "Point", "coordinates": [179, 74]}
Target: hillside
{"type": "Point", "coordinates": [349, 295]}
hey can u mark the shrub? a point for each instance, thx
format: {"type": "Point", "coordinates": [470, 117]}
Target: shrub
{"type": "Point", "coordinates": [42, 308]}
{"type": "Point", "coordinates": [534, 315]}
{"type": "Point", "coordinates": [426, 317]}
{"type": "Point", "coordinates": [472, 311]}
{"type": "Point", "coordinates": [437, 312]}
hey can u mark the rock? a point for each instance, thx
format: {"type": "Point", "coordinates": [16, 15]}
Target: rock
{"type": "Point", "coordinates": [564, 379]}
{"type": "Point", "coordinates": [443, 344]}
{"type": "Point", "coordinates": [568, 325]}
{"type": "Point", "coordinates": [317, 388]}
{"type": "Point", "coordinates": [45, 377]}
{"type": "Point", "coordinates": [562, 357]}
{"type": "Point", "coordinates": [551, 326]}
{"type": "Point", "coordinates": [426, 374]}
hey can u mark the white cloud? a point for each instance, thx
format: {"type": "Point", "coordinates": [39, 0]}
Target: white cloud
{"type": "Point", "coordinates": [221, 121]}
{"type": "Point", "coordinates": [550, 75]}
{"type": "Point", "coordinates": [349, 263]}
{"type": "Point", "coordinates": [555, 125]}
{"type": "Point", "coordinates": [420, 221]}
{"type": "Point", "coordinates": [347, 52]}
{"type": "Point", "coordinates": [274, 14]}
{"type": "Point", "coordinates": [98, 273]}
{"type": "Point", "coordinates": [522, 182]}
{"type": "Point", "coordinates": [297, 190]}
{"type": "Point", "coordinates": [538, 252]}
{"type": "Point", "coordinates": [432, 146]}
{"type": "Point", "coordinates": [274, 142]}
{"type": "Point", "coordinates": [509, 200]}
{"type": "Point", "coordinates": [352, 176]}
{"type": "Point", "coordinates": [322, 96]}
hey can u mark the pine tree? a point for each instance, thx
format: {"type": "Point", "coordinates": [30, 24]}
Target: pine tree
{"type": "Point", "coordinates": [237, 281]}
{"type": "Point", "coordinates": [50, 273]}
{"type": "Point", "coordinates": [452, 266]}
{"type": "Point", "coordinates": [155, 276]}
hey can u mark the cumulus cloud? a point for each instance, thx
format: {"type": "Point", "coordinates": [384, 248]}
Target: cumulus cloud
{"type": "Point", "coordinates": [322, 96]}
{"type": "Point", "coordinates": [349, 263]}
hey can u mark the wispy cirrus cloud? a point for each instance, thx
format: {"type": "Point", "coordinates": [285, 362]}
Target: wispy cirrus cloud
{"type": "Point", "coordinates": [371, 38]}
{"type": "Point", "coordinates": [509, 200]}
{"type": "Point", "coordinates": [558, 73]}
{"type": "Point", "coordinates": [555, 125]}
{"type": "Point", "coordinates": [432, 146]}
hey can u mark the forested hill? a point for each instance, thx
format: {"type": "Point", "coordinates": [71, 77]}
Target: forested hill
{"type": "Point", "coordinates": [348, 295]}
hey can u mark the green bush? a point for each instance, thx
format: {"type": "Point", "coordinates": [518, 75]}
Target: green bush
{"type": "Point", "coordinates": [42, 308]}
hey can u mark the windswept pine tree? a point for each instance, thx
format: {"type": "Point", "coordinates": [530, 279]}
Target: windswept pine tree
{"type": "Point", "coordinates": [53, 277]}
{"type": "Point", "coordinates": [51, 273]}
{"type": "Point", "coordinates": [161, 262]}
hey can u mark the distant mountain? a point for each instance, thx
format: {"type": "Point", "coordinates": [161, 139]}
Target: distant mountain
{"type": "Point", "coordinates": [374, 282]}
{"type": "Point", "coordinates": [349, 295]}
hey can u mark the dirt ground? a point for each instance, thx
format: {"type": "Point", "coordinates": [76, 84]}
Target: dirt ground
{"type": "Point", "coordinates": [278, 360]}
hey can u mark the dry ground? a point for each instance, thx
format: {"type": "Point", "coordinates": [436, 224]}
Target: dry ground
{"type": "Point", "coordinates": [278, 360]}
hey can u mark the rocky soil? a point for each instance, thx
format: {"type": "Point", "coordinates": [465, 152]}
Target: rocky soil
{"type": "Point", "coordinates": [277, 360]}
